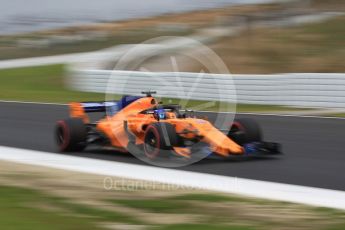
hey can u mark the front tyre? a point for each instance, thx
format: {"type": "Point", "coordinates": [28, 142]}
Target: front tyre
{"type": "Point", "coordinates": [70, 135]}
{"type": "Point", "coordinates": [159, 140]}
{"type": "Point", "coordinates": [245, 131]}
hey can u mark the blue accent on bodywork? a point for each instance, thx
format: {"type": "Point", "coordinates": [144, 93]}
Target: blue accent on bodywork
{"type": "Point", "coordinates": [126, 100]}
{"type": "Point", "coordinates": [250, 148]}
{"type": "Point", "coordinates": [112, 106]}
{"type": "Point", "coordinates": [90, 107]}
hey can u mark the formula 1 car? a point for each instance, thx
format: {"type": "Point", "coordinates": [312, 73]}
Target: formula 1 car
{"type": "Point", "coordinates": [142, 123]}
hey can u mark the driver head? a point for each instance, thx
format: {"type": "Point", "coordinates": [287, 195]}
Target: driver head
{"type": "Point", "coordinates": [160, 113]}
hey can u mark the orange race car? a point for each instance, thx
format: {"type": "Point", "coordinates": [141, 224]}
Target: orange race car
{"type": "Point", "coordinates": [141, 123]}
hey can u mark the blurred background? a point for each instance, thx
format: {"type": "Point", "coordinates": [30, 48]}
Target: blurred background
{"type": "Point", "coordinates": [250, 37]}
{"type": "Point", "coordinates": [288, 36]}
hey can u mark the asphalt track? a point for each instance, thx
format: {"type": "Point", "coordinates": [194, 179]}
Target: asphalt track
{"type": "Point", "coordinates": [313, 147]}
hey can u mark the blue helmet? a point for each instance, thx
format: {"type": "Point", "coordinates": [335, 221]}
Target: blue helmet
{"type": "Point", "coordinates": [160, 114]}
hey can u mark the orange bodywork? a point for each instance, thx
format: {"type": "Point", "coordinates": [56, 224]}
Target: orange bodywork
{"type": "Point", "coordinates": [131, 120]}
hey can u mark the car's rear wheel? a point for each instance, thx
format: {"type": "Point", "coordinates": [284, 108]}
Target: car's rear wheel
{"type": "Point", "coordinates": [159, 140]}
{"type": "Point", "coordinates": [70, 135]}
{"type": "Point", "coordinates": [245, 131]}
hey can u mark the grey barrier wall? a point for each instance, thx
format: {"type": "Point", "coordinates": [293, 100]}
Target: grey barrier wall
{"type": "Point", "coordinates": [298, 89]}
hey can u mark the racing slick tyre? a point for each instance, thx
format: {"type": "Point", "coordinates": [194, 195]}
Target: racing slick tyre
{"type": "Point", "coordinates": [70, 135]}
{"type": "Point", "coordinates": [245, 131]}
{"type": "Point", "coordinates": [159, 140]}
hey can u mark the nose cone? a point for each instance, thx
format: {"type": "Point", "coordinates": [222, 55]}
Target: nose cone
{"type": "Point", "coordinates": [219, 142]}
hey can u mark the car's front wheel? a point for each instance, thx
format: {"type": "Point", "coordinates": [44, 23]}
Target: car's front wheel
{"type": "Point", "coordinates": [245, 131]}
{"type": "Point", "coordinates": [159, 139]}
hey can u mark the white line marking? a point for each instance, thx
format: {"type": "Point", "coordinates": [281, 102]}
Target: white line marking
{"type": "Point", "coordinates": [253, 188]}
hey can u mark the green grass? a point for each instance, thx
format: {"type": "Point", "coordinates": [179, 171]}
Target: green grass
{"type": "Point", "coordinates": [186, 203]}
{"type": "Point", "coordinates": [207, 198]}
{"type": "Point", "coordinates": [332, 30]}
{"type": "Point", "coordinates": [306, 48]}
{"type": "Point", "coordinates": [337, 227]}
{"type": "Point", "coordinates": [203, 227]}
{"type": "Point", "coordinates": [340, 115]}
{"type": "Point", "coordinates": [8, 49]}
{"type": "Point", "coordinates": [22, 208]}
{"type": "Point", "coordinates": [331, 212]}
{"type": "Point", "coordinates": [40, 84]}
{"type": "Point", "coordinates": [216, 198]}
{"type": "Point", "coordinates": [154, 205]}
{"type": "Point", "coordinates": [319, 41]}
{"type": "Point", "coordinates": [207, 205]}
{"type": "Point", "coordinates": [18, 212]}
{"type": "Point", "coordinates": [95, 213]}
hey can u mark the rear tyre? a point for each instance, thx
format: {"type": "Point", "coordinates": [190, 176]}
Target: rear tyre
{"type": "Point", "coordinates": [70, 135]}
{"type": "Point", "coordinates": [159, 140]}
{"type": "Point", "coordinates": [245, 131]}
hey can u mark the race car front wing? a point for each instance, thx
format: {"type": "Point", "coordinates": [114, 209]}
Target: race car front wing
{"type": "Point", "coordinates": [262, 148]}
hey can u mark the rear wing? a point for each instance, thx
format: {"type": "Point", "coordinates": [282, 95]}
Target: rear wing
{"type": "Point", "coordinates": [109, 106]}
{"type": "Point", "coordinates": [92, 107]}
{"type": "Point", "coordinates": [81, 109]}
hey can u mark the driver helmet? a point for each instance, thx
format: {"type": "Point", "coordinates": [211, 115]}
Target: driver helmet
{"type": "Point", "coordinates": [160, 113]}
